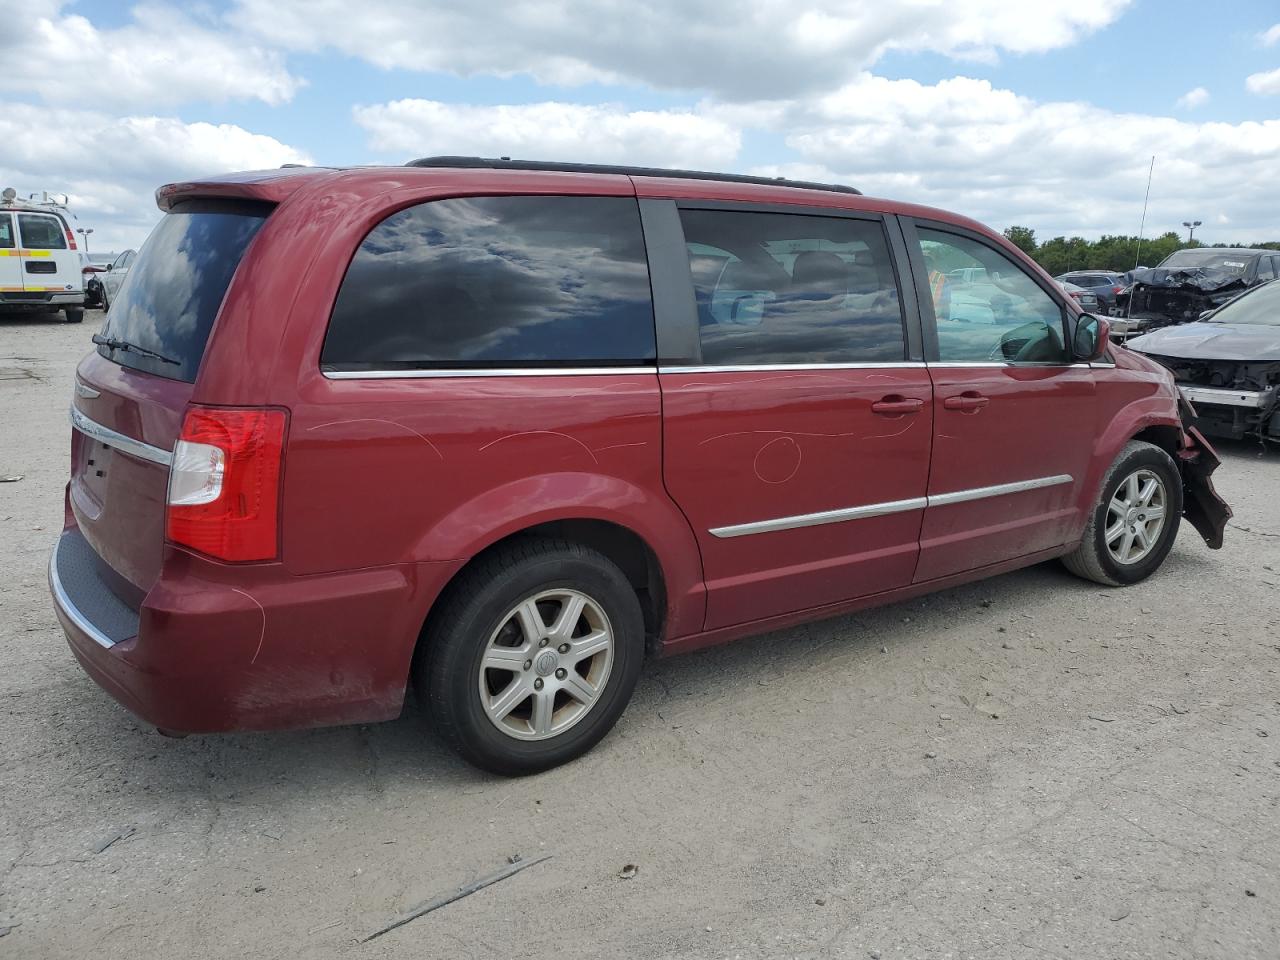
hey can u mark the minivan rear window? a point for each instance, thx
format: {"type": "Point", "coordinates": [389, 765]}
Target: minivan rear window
{"type": "Point", "coordinates": [175, 285]}
{"type": "Point", "coordinates": [42, 232]}
{"type": "Point", "coordinates": [484, 282]}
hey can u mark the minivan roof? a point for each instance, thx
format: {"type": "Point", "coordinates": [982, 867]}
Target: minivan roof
{"type": "Point", "coordinates": [367, 182]}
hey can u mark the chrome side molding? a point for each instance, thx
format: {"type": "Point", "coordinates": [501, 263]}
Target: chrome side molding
{"type": "Point", "coordinates": [888, 507]}
{"type": "Point", "coordinates": [113, 438]}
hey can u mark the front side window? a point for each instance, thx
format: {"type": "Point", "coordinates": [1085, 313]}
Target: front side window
{"type": "Point", "coordinates": [497, 282]}
{"type": "Point", "coordinates": [6, 232]}
{"type": "Point", "coordinates": [781, 288]}
{"type": "Point", "coordinates": [1004, 316]}
{"type": "Point", "coordinates": [1265, 269]}
{"type": "Point", "coordinates": [41, 232]}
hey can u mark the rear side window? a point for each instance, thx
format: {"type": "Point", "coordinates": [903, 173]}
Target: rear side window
{"type": "Point", "coordinates": [42, 232]}
{"type": "Point", "coordinates": [168, 301]}
{"type": "Point", "coordinates": [781, 288]}
{"type": "Point", "coordinates": [6, 232]}
{"type": "Point", "coordinates": [497, 282]}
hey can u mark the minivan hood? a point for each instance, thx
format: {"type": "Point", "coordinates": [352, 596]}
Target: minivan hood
{"type": "Point", "coordinates": [1212, 341]}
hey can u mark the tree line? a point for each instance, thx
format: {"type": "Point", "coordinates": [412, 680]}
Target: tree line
{"type": "Point", "coordinates": [1064, 254]}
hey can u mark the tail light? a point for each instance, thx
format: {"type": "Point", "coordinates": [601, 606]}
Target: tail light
{"type": "Point", "coordinates": [71, 237]}
{"type": "Point", "coordinates": [224, 485]}
{"type": "Point", "coordinates": [1117, 290]}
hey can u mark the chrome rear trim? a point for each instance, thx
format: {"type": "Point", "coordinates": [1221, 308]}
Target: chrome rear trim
{"type": "Point", "coordinates": [69, 609]}
{"type": "Point", "coordinates": [144, 451]}
{"type": "Point", "coordinates": [883, 509]}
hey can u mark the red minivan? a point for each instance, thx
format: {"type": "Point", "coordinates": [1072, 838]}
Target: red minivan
{"type": "Point", "coordinates": [504, 429]}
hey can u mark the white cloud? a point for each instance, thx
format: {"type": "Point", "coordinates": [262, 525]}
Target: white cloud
{"type": "Point", "coordinates": [966, 146]}
{"type": "Point", "coordinates": [1264, 83]}
{"type": "Point", "coordinates": [164, 56]}
{"type": "Point", "coordinates": [742, 52]}
{"type": "Point", "coordinates": [551, 131]}
{"type": "Point", "coordinates": [1194, 98]}
{"type": "Point", "coordinates": [111, 167]}
{"type": "Point", "coordinates": [1271, 37]}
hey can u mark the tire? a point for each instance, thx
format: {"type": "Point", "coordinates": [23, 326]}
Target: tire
{"type": "Point", "coordinates": [106, 302]}
{"type": "Point", "coordinates": [75, 314]}
{"type": "Point", "coordinates": [480, 622]}
{"type": "Point", "coordinates": [1102, 562]}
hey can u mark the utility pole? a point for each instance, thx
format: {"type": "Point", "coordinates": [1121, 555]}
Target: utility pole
{"type": "Point", "coordinates": [1191, 229]}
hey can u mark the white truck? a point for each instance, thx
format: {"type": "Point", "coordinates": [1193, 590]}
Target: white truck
{"type": "Point", "coordinates": [41, 270]}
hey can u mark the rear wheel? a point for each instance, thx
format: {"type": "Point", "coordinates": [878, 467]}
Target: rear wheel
{"type": "Point", "coordinates": [75, 314]}
{"type": "Point", "coordinates": [532, 657]}
{"type": "Point", "coordinates": [1134, 523]}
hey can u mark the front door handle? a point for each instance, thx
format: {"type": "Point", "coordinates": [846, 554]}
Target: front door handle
{"type": "Point", "coordinates": [970, 402]}
{"type": "Point", "coordinates": [896, 405]}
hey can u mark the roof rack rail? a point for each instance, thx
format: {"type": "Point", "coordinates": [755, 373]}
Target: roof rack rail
{"type": "Point", "coordinates": [506, 163]}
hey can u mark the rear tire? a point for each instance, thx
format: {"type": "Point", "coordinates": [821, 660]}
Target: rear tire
{"type": "Point", "coordinates": [75, 314]}
{"type": "Point", "coordinates": [532, 656]}
{"type": "Point", "coordinates": [1135, 521]}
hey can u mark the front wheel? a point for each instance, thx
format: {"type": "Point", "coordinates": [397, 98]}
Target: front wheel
{"type": "Point", "coordinates": [532, 656]}
{"type": "Point", "coordinates": [1134, 523]}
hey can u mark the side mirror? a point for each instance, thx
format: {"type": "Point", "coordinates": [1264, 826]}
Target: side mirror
{"type": "Point", "coordinates": [1093, 336]}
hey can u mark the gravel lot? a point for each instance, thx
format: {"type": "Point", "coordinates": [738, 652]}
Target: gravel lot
{"type": "Point", "coordinates": [1027, 767]}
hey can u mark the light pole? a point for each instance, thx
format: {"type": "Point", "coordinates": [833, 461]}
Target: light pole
{"type": "Point", "coordinates": [1191, 228]}
{"type": "Point", "coordinates": [84, 232]}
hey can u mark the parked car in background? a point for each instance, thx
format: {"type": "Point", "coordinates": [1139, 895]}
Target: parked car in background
{"type": "Point", "coordinates": [1189, 282]}
{"type": "Point", "coordinates": [503, 429]}
{"type": "Point", "coordinates": [1086, 298]}
{"type": "Point", "coordinates": [114, 276]}
{"type": "Point", "coordinates": [1227, 364]}
{"type": "Point", "coordinates": [40, 267]}
{"type": "Point", "coordinates": [1103, 284]}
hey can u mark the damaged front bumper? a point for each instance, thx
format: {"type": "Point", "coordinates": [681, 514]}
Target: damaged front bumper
{"type": "Point", "coordinates": [1197, 460]}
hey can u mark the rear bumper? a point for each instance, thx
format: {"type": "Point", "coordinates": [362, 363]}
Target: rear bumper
{"type": "Point", "coordinates": [217, 647]}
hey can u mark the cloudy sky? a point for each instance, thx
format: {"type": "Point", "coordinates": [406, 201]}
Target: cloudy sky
{"type": "Point", "coordinates": [1036, 112]}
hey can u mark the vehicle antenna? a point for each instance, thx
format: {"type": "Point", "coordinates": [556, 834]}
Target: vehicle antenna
{"type": "Point", "coordinates": [1137, 257]}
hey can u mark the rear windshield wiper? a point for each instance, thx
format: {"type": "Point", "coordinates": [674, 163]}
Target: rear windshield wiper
{"type": "Point", "coordinates": [111, 343]}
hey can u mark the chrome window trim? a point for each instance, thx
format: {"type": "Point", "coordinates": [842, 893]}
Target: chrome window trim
{"type": "Point", "coordinates": [757, 367]}
{"type": "Point", "coordinates": [433, 374]}
{"type": "Point", "coordinates": [67, 607]}
{"type": "Point", "coordinates": [144, 451]}
{"type": "Point", "coordinates": [888, 507]}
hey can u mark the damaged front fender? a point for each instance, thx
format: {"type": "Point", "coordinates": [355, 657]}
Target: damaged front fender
{"type": "Point", "coordinates": [1201, 505]}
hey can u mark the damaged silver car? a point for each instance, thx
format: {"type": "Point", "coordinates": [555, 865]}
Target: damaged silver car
{"type": "Point", "coordinates": [1188, 283]}
{"type": "Point", "coordinates": [1227, 364]}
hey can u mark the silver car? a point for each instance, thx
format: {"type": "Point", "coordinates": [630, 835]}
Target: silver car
{"type": "Point", "coordinates": [114, 277]}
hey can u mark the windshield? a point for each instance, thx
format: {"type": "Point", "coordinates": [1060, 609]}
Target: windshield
{"type": "Point", "coordinates": [1261, 305]}
{"type": "Point", "coordinates": [176, 283]}
{"type": "Point", "coordinates": [1218, 261]}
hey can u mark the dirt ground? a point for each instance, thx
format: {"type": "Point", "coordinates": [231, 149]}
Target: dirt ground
{"type": "Point", "coordinates": [1028, 767]}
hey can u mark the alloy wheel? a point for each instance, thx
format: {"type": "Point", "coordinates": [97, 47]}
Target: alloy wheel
{"type": "Point", "coordinates": [546, 664]}
{"type": "Point", "coordinates": [1135, 517]}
